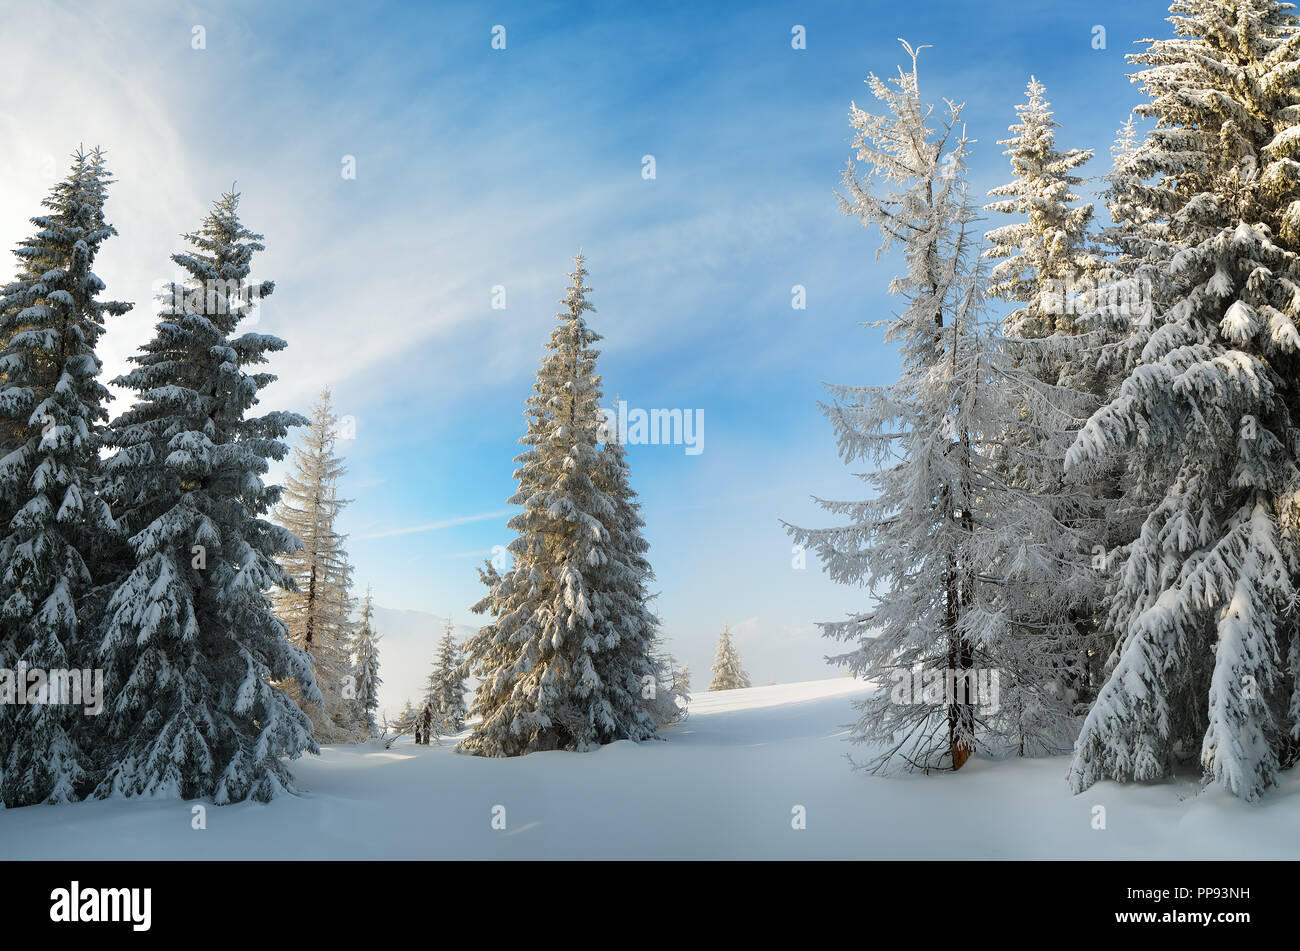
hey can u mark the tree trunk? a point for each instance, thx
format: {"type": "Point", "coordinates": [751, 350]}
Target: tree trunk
{"type": "Point", "coordinates": [961, 652]}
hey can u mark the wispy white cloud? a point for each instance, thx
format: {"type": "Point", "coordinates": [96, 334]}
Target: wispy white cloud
{"type": "Point", "coordinates": [436, 526]}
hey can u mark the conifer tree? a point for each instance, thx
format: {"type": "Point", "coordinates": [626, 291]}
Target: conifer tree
{"type": "Point", "coordinates": [1050, 587]}
{"type": "Point", "coordinates": [1046, 255]}
{"type": "Point", "coordinates": [446, 695]}
{"type": "Point", "coordinates": [55, 526]}
{"type": "Point", "coordinates": [1207, 646]}
{"type": "Point", "coordinates": [366, 671]}
{"type": "Point", "coordinates": [1045, 262]}
{"type": "Point", "coordinates": [937, 540]}
{"type": "Point", "coordinates": [563, 661]}
{"type": "Point", "coordinates": [191, 642]}
{"type": "Point", "coordinates": [318, 609]}
{"type": "Point", "coordinates": [728, 674]}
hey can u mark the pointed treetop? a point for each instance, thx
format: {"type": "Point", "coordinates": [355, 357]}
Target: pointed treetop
{"type": "Point", "coordinates": [575, 300]}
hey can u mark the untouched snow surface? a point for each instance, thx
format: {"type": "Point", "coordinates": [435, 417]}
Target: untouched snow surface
{"type": "Point", "coordinates": [723, 785]}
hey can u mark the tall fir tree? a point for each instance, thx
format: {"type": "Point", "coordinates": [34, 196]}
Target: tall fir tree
{"type": "Point", "coordinates": [366, 670]}
{"type": "Point", "coordinates": [728, 673]}
{"type": "Point", "coordinates": [318, 609]}
{"type": "Point", "coordinates": [1207, 645]}
{"type": "Point", "coordinates": [55, 525]}
{"type": "Point", "coordinates": [191, 642]}
{"type": "Point", "coordinates": [1046, 266]}
{"type": "Point", "coordinates": [563, 662]}
{"type": "Point", "coordinates": [940, 543]}
{"type": "Point", "coordinates": [1045, 256]}
{"type": "Point", "coordinates": [1045, 260]}
{"type": "Point", "coordinates": [912, 538]}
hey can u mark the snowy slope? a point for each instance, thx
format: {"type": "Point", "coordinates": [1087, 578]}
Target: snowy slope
{"type": "Point", "coordinates": [722, 786]}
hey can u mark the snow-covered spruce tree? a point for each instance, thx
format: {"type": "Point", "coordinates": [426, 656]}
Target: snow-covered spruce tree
{"type": "Point", "coordinates": [366, 671]}
{"type": "Point", "coordinates": [55, 527]}
{"type": "Point", "coordinates": [728, 674]}
{"type": "Point", "coordinates": [562, 665]}
{"type": "Point", "coordinates": [318, 609]}
{"type": "Point", "coordinates": [935, 542]}
{"type": "Point", "coordinates": [1207, 643]}
{"type": "Point", "coordinates": [446, 694]}
{"type": "Point", "coordinates": [192, 643]}
{"type": "Point", "coordinates": [1046, 267]}
{"type": "Point", "coordinates": [1045, 256]}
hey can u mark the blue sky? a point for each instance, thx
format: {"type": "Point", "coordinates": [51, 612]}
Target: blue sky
{"type": "Point", "coordinates": [478, 167]}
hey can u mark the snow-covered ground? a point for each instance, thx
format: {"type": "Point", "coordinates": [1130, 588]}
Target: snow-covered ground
{"type": "Point", "coordinates": [724, 785]}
